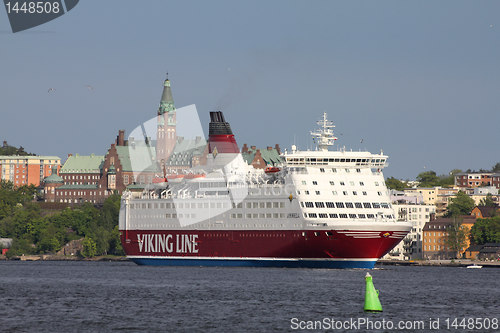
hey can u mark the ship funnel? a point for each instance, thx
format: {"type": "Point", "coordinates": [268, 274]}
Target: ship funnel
{"type": "Point", "coordinates": [220, 136]}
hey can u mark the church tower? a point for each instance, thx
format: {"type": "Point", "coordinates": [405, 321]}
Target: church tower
{"type": "Point", "coordinates": [166, 135]}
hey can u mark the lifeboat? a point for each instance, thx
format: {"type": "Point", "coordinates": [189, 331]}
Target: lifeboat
{"type": "Point", "coordinates": [271, 169]}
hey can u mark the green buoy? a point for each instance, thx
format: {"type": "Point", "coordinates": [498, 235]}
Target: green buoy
{"type": "Point", "coordinates": [372, 303]}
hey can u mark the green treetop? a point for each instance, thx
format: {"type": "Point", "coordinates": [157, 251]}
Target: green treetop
{"type": "Point", "coordinates": [461, 204]}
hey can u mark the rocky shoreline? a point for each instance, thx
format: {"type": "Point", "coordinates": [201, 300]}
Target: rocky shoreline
{"type": "Point", "coordinates": [57, 257]}
{"type": "Point", "coordinates": [442, 263]}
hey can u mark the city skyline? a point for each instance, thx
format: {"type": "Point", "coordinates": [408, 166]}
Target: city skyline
{"type": "Point", "coordinates": [417, 80]}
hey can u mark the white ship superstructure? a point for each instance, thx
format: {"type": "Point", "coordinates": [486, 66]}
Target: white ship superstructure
{"type": "Point", "coordinates": [321, 208]}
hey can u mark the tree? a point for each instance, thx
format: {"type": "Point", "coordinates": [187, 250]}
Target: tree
{"type": "Point", "coordinates": [395, 184]}
{"type": "Point", "coordinates": [496, 168]}
{"type": "Point", "coordinates": [456, 237]}
{"type": "Point", "coordinates": [487, 201]}
{"type": "Point", "coordinates": [461, 204]}
{"type": "Point", "coordinates": [486, 231]}
{"type": "Point", "coordinates": [428, 179]}
{"type": "Point", "coordinates": [89, 248]}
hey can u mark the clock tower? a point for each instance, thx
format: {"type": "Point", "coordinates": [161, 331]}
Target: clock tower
{"type": "Point", "coordinates": [166, 136]}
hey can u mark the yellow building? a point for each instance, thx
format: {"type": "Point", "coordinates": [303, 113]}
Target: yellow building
{"type": "Point", "coordinates": [435, 237]}
{"type": "Point", "coordinates": [429, 194]}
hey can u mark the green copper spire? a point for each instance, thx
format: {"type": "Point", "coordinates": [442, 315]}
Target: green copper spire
{"type": "Point", "coordinates": [54, 178]}
{"type": "Point", "coordinates": [167, 102]}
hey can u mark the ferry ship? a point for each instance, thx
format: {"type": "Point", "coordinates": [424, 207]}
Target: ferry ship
{"type": "Point", "coordinates": [321, 208]}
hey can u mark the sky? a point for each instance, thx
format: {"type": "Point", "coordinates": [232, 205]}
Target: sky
{"type": "Point", "coordinates": [419, 80]}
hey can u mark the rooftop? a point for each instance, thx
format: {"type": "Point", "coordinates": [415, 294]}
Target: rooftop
{"type": "Point", "coordinates": [82, 164]}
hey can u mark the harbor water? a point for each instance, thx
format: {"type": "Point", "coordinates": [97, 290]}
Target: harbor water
{"type": "Point", "coordinates": [53, 296]}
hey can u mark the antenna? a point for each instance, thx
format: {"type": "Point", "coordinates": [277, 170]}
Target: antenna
{"type": "Point", "coordinates": [324, 137]}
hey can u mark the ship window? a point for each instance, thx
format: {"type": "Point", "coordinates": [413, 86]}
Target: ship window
{"type": "Point", "coordinates": [352, 216]}
{"type": "Point", "coordinates": [322, 170]}
{"type": "Point", "coordinates": [304, 182]}
{"type": "Point", "coordinates": [358, 205]}
{"type": "Point", "coordinates": [375, 205]}
{"type": "Point", "coordinates": [351, 183]}
{"type": "Point", "coordinates": [174, 216]}
{"type": "Point", "coordinates": [255, 216]}
{"type": "Point", "coordinates": [313, 215]}
{"type": "Point", "coordinates": [131, 206]}
{"type": "Point", "coordinates": [307, 192]}
{"type": "Point", "coordinates": [364, 193]}
{"type": "Point", "coordinates": [384, 205]}
{"type": "Point", "coordinates": [298, 192]}
{"type": "Point", "coordinates": [323, 215]}
{"type": "Point", "coordinates": [239, 216]}
{"type": "Point", "coordinates": [255, 205]}
{"type": "Point", "coordinates": [269, 205]}
{"type": "Point", "coordinates": [249, 205]}
{"type": "Point", "coordinates": [370, 216]}
{"type": "Point", "coordinates": [319, 205]}
{"type": "Point", "coordinates": [309, 204]}
{"type": "Point", "coordinates": [282, 205]}
{"type": "Point", "coordinates": [301, 204]}
{"type": "Point", "coordinates": [262, 215]}
{"type": "Point", "coordinates": [155, 205]}
{"type": "Point", "coordinates": [276, 204]}
{"type": "Point", "coordinates": [334, 170]}
{"type": "Point", "coordinates": [339, 204]}
{"type": "Point", "coordinates": [376, 183]}
{"type": "Point", "coordinates": [342, 183]}
{"type": "Point", "coordinates": [249, 216]}
{"type": "Point", "coordinates": [276, 215]}
{"type": "Point", "coordinates": [347, 170]}
{"type": "Point", "coordinates": [361, 216]}
{"type": "Point", "coordinates": [332, 183]}
{"type": "Point", "coordinates": [315, 182]}
{"type": "Point", "coordinates": [358, 170]}
{"type": "Point", "coordinates": [367, 205]}
{"type": "Point", "coordinates": [262, 205]}
{"type": "Point", "coordinates": [354, 193]}
{"type": "Point", "coordinates": [343, 216]}
{"type": "Point", "coordinates": [317, 193]}
{"type": "Point", "coordinates": [330, 205]}
{"type": "Point", "coordinates": [168, 216]}
{"type": "Point", "coordinates": [143, 206]}
{"type": "Point", "coordinates": [361, 184]}
{"type": "Point", "coordinates": [349, 205]}
{"type": "Point", "coordinates": [268, 215]}
{"type": "Point", "coordinates": [334, 192]}
{"type": "Point", "coordinates": [379, 193]}
{"type": "Point", "coordinates": [345, 193]}
{"type": "Point", "coordinates": [240, 205]}
{"type": "Point", "coordinates": [333, 216]}
{"type": "Point", "coordinates": [329, 233]}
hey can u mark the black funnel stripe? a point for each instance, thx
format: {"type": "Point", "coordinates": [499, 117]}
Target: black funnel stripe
{"type": "Point", "coordinates": [218, 125]}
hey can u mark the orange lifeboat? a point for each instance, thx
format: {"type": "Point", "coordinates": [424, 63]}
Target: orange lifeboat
{"type": "Point", "coordinates": [271, 169]}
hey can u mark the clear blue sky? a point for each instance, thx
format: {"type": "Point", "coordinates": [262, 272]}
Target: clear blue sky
{"type": "Point", "coordinates": [418, 79]}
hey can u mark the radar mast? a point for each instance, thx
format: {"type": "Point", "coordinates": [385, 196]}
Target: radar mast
{"type": "Point", "coordinates": [323, 136]}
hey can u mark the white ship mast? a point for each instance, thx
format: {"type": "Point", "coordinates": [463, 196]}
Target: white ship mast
{"type": "Point", "coordinates": [324, 137]}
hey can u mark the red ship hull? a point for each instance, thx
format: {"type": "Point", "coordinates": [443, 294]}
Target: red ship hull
{"type": "Point", "coordinates": [273, 248]}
